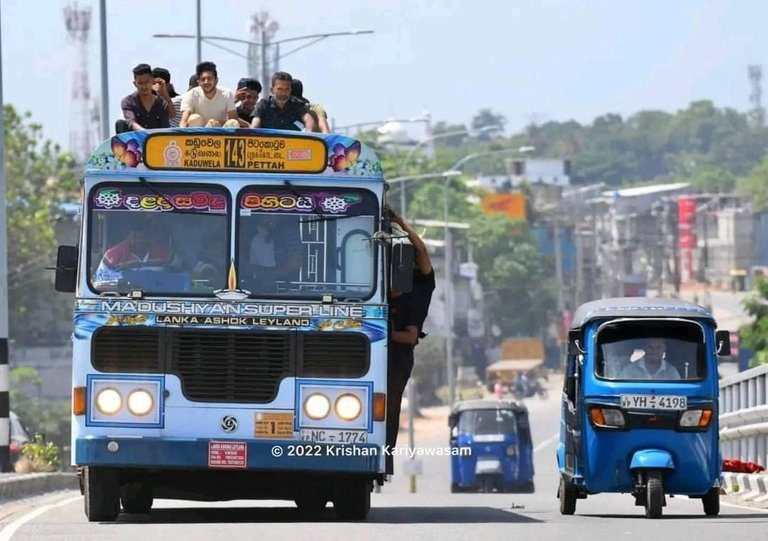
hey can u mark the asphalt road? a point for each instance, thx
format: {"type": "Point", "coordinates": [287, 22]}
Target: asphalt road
{"type": "Point", "coordinates": [432, 513]}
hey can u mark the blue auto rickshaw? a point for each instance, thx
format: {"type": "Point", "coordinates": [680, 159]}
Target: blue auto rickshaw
{"type": "Point", "coordinates": [491, 449]}
{"type": "Point", "coordinates": [640, 404]}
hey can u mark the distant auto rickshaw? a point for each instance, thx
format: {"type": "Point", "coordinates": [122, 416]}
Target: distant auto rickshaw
{"type": "Point", "coordinates": [640, 403]}
{"type": "Point", "coordinates": [495, 449]}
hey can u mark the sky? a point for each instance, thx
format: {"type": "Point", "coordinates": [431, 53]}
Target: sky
{"type": "Point", "coordinates": [530, 60]}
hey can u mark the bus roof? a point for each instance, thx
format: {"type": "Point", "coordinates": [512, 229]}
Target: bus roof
{"type": "Point", "coordinates": [637, 307]}
{"type": "Point", "coordinates": [236, 150]}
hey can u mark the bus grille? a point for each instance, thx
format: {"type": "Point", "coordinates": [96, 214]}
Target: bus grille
{"type": "Point", "coordinates": [126, 349]}
{"type": "Point", "coordinates": [334, 355]}
{"type": "Point", "coordinates": [216, 365]}
{"type": "Point", "coordinates": [230, 366]}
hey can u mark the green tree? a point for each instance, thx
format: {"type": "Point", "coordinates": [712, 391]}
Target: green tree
{"type": "Point", "coordinates": [485, 118]}
{"type": "Point", "coordinates": [517, 278]}
{"type": "Point", "coordinates": [39, 176]}
{"type": "Point", "coordinates": [48, 417]}
{"type": "Point", "coordinates": [754, 336]}
{"type": "Point", "coordinates": [756, 185]}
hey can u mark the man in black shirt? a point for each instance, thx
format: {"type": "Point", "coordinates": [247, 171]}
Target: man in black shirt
{"type": "Point", "coordinates": [143, 110]}
{"type": "Point", "coordinates": [407, 313]}
{"type": "Point", "coordinates": [281, 111]}
{"type": "Point", "coordinates": [247, 96]}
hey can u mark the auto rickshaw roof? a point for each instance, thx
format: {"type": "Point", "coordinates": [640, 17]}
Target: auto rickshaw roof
{"type": "Point", "coordinates": [484, 404]}
{"type": "Point", "coordinates": [637, 307]}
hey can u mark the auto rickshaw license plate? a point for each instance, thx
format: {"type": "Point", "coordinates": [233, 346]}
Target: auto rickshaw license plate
{"type": "Point", "coordinates": [653, 402]}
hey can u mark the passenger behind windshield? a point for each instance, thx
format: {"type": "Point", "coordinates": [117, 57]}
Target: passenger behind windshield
{"type": "Point", "coordinates": [274, 254]}
{"type": "Point", "coordinates": [652, 364]}
{"type": "Point", "coordinates": [209, 270]}
{"type": "Point", "coordinates": [487, 422]}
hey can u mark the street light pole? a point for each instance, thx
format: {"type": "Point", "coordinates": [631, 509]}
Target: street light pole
{"type": "Point", "coordinates": [105, 127]}
{"type": "Point", "coordinates": [264, 43]}
{"type": "Point", "coordinates": [429, 139]}
{"type": "Point", "coordinates": [198, 35]}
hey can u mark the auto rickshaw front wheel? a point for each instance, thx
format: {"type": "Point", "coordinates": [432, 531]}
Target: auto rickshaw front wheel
{"type": "Point", "coordinates": [566, 492]}
{"type": "Point", "coordinates": [711, 501]}
{"type": "Point", "coordinates": [654, 495]}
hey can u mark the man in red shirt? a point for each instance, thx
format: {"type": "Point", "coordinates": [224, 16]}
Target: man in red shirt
{"type": "Point", "coordinates": [137, 248]}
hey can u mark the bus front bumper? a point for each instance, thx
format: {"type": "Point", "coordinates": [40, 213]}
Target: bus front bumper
{"type": "Point", "coordinates": [223, 454]}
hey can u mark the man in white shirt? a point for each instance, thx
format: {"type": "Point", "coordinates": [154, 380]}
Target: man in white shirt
{"type": "Point", "coordinates": [652, 365]}
{"type": "Point", "coordinates": [208, 104]}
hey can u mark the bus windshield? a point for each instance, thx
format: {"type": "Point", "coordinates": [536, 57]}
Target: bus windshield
{"type": "Point", "coordinates": [160, 239]}
{"type": "Point", "coordinates": [306, 242]}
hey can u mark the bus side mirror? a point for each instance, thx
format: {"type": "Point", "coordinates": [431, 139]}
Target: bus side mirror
{"type": "Point", "coordinates": [574, 342]}
{"type": "Point", "coordinates": [401, 275]}
{"type": "Point", "coordinates": [66, 269]}
{"type": "Point", "coordinates": [723, 343]}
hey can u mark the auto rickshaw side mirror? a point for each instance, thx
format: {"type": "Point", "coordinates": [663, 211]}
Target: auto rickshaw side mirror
{"type": "Point", "coordinates": [723, 343]}
{"type": "Point", "coordinates": [574, 342]}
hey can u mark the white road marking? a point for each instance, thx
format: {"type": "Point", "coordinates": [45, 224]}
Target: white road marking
{"type": "Point", "coordinates": [536, 449]}
{"type": "Point", "coordinates": [7, 532]}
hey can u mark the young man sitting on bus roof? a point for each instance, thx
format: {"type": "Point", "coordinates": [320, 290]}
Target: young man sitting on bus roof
{"type": "Point", "coordinates": [208, 104]}
{"type": "Point", "coordinates": [247, 96]}
{"type": "Point", "coordinates": [143, 109]}
{"type": "Point", "coordinates": [281, 111]}
{"type": "Point", "coordinates": [407, 312]}
{"type": "Point", "coordinates": [315, 109]}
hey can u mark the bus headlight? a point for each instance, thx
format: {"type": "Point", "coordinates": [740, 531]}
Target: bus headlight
{"type": "Point", "coordinates": [140, 402]}
{"type": "Point", "coordinates": [348, 407]}
{"type": "Point", "coordinates": [109, 401]}
{"type": "Point", "coordinates": [317, 406]}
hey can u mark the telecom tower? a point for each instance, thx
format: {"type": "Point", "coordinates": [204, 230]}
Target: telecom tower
{"type": "Point", "coordinates": [756, 112]}
{"type": "Point", "coordinates": [262, 29]}
{"type": "Point", "coordinates": [78, 23]}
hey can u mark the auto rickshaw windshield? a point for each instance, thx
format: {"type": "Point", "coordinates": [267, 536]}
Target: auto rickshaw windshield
{"type": "Point", "coordinates": [486, 422]}
{"type": "Point", "coordinates": [629, 351]}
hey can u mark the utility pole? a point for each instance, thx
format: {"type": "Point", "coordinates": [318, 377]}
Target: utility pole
{"type": "Point", "coordinates": [5, 379]}
{"type": "Point", "coordinates": [448, 240]}
{"type": "Point", "coordinates": [559, 274]}
{"type": "Point", "coordinates": [411, 439]}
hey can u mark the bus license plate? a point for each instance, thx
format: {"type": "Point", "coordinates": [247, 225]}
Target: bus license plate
{"type": "Point", "coordinates": [653, 402]}
{"type": "Point", "coordinates": [333, 436]}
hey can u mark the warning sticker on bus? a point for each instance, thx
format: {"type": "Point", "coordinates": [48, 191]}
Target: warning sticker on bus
{"type": "Point", "coordinates": [227, 454]}
{"type": "Point", "coordinates": [273, 425]}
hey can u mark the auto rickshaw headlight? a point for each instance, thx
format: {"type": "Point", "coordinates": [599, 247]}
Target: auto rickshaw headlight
{"type": "Point", "coordinates": [606, 417]}
{"type": "Point", "coordinates": [511, 450]}
{"type": "Point", "coordinates": [696, 418]}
